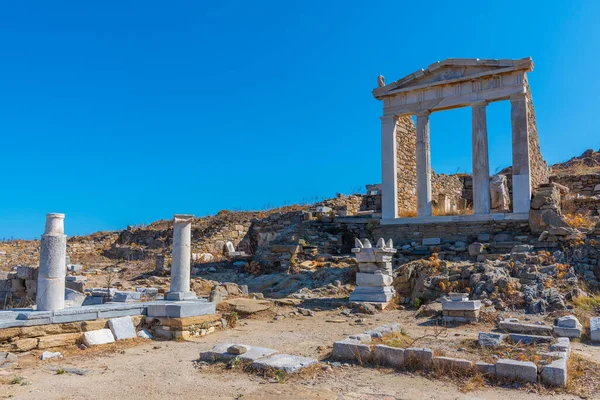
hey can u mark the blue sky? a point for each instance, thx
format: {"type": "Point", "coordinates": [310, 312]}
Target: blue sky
{"type": "Point", "coordinates": [120, 113]}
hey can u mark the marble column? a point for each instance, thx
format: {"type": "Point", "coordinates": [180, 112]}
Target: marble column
{"type": "Point", "coordinates": [480, 157]}
{"type": "Point", "coordinates": [180, 265]}
{"type": "Point", "coordinates": [423, 166]}
{"type": "Point", "coordinates": [520, 154]}
{"type": "Point", "coordinates": [389, 168]}
{"type": "Point", "coordinates": [53, 270]}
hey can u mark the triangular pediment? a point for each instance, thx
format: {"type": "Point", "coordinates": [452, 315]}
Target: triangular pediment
{"type": "Point", "coordinates": [453, 70]}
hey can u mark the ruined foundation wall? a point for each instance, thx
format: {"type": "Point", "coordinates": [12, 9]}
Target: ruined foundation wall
{"type": "Point", "coordinates": [539, 170]}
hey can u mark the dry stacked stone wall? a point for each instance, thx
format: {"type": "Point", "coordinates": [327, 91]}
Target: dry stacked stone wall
{"type": "Point", "coordinates": [540, 173]}
{"type": "Point", "coordinates": [406, 142]}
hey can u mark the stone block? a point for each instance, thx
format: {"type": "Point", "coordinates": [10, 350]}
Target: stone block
{"type": "Point", "coordinates": [489, 339]}
{"type": "Point", "coordinates": [122, 328]}
{"type": "Point", "coordinates": [363, 279]}
{"type": "Point", "coordinates": [127, 296]}
{"type": "Point", "coordinates": [47, 355]}
{"type": "Point", "coordinates": [452, 363]}
{"type": "Point", "coordinates": [181, 309]}
{"type": "Point", "coordinates": [569, 321]}
{"type": "Point", "coordinates": [219, 353]}
{"type": "Point", "coordinates": [529, 339]}
{"type": "Point", "coordinates": [99, 337]}
{"type": "Point", "coordinates": [595, 329]}
{"type": "Point", "coordinates": [389, 356]}
{"type": "Point", "coordinates": [517, 370]}
{"type": "Point", "coordinates": [469, 305]}
{"type": "Point", "coordinates": [144, 334]}
{"type": "Point", "coordinates": [371, 294]}
{"type": "Point", "coordinates": [568, 332]}
{"type": "Point", "coordinates": [485, 369]}
{"type": "Point", "coordinates": [65, 339]}
{"type": "Point", "coordinates": [384, 330]}
{"type": "Point", "coordinates": [519, 327]}
{"type": "Point", "coordinates": [563, 345]}
{"type": "Point", "coordinates": [418, 355]}
{"type": "Point", "coordinates": [284, 362]}
{"type": "Point", "coordinates": [8, 360]}
{"type": "Point", "coordinates": [25, 344]}
{"type": "Point", "coordinates": [555, 373]}
{"type": "Point", "coordinates": [352, 350]}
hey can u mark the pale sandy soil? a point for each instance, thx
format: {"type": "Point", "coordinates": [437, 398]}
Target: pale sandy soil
{"type": "Point", "coordinates": [158, 370]}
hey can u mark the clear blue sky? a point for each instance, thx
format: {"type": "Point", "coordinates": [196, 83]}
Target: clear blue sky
{"type": "Point", "coordinates": [120, 113]}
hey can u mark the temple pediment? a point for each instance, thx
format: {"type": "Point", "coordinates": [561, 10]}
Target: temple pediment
{"type": "Point", "coordinates": [453, 70]}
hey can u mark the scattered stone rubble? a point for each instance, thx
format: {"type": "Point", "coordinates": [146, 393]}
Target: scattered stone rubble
{"type": "Point", "coordinates": [260, 358]}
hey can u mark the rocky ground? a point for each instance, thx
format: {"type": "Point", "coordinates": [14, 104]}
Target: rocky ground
{"type": "Point", "coordinates": [157, 370]}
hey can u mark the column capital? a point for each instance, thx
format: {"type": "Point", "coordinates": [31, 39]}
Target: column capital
{"type": "Point", "coordinates": [480, 103]}
{"type": "Point", "coordinates": [518, 97]}
{"type": "Point", "coordinates": [423, 113]}
{"type": "Point", "coordinates": [388, 118]}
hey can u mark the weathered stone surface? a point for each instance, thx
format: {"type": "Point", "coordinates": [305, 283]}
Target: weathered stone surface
{"type": "Point", "coordinates": [568, 332]}
{"type": "Point", "coordinates": [219, 353]}
{"type": "Point", "coordinates": [99, 337]}
{"type": "Point", "coordinates": [47, 355]}
{"type": "Point", "coordinates": [462, 305]}
{"type": "Point", "coordinates": [563, 345]}
{"type": "Point", "coordinates": [8, 360]}
{"type": "Point", "coordinates": [389, 356]}
{"type": "Point", "coordinates": [352, 350]}
{"type": "Point", "coordinates": [237, 349]}
{"type": "Point", "coordinates": [529, 339]}
{"type": "Point", "coordinates": [122, 328]}
{"type": "Point", "coordinates": [249, 306]}
{"type": "Point", "coordinates": [66, 339]}
{"type": "Point", "coordinates": [555, 373]}
{"type": "Point", "coordinates": [485, 369]}
{"type": "Point", "coordinates": [520, 327]}
{"type": "Point", "coordinates": [284, 362]}
{"type": "Point", "coordinates": [489, 339]}
{"type": "Point", "coordinates": [569, 321]}
{"type": "Point", "coordinates": [144, 334]}
{"type": "Point", "coordinates": [452, 363]}
{"type": "Point", "coordinates": [595, 329]}
{"type": "Point", "coordinates": [475, 249]}
{"type": "Point", "coordinates": [419, 355]}
{"type": "Point", "coordinates": [361, 337]}
{"type": "Point", "coordinates": [25, 344]}
{"type": "Point", "coordinates": [518, 370]}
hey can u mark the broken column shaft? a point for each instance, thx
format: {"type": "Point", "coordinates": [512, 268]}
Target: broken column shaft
{"type": "Point", "coordinates": [52, 271]}
{"type": "Point", "coordinates": [180, 265]}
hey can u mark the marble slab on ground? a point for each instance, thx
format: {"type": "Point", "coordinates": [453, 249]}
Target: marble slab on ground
{"type": "Point", "coordinates": [219, 353]}
{"type": "Point", "coordinates": [122, 328]}
{"type": "Point", "coordinates": [284, 362]}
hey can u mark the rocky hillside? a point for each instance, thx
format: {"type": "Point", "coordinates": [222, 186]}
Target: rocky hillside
{"type": "Point", "coordinates": [587, 163]}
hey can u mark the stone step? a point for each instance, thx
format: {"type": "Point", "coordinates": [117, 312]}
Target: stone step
{"type": "Point", "coordinates": [514, 326]}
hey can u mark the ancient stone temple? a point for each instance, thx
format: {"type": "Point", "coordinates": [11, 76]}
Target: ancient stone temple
{"type": "Point", "coordinates": [452, 83]}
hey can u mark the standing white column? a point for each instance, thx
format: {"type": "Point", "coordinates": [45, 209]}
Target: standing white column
{"type": "Point", "coordinates": [52, 271]}
{"type": "Point", "coordinates": [389, 168]}
{"type": "Point", "coordinates": [423, 166]}
{"type": "Point", "coordinates": [520, 142]}
{"type": "Point", "coordinates": [481, 163]}
{"type": "Point", "coordinates": [180, 267]}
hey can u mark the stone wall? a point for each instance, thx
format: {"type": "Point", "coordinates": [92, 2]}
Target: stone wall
{"type": "Point", "coordinates": [538, 168]}
{"type": "Point", "coordinates": [450, 232]}
{"type": "Point", "coordinates": [406, 141]}
{"type": "Point", "coordinates": [450, 185]}
{"type": "Point", "coordinates": [585, 185]}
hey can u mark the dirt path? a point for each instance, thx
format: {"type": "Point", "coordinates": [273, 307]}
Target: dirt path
{"type": "Point", "coordinates": [157, 370]}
